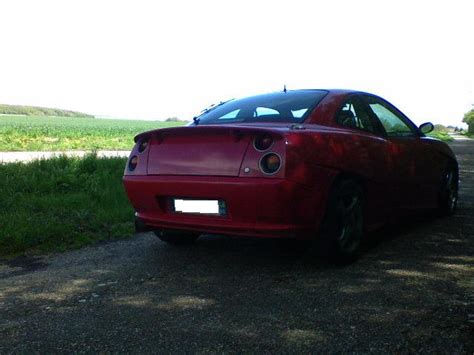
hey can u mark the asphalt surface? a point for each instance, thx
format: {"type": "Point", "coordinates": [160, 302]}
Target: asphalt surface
{"type": "Point", "coordinates": [411, 291]}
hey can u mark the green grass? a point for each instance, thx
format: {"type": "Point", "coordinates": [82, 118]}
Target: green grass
{"type": "Point", "coordinates": [444, 136]}
{"type": "Point", "coordinates": [62, 203]}
{"type": "Point", "coordinates": [38, 133]}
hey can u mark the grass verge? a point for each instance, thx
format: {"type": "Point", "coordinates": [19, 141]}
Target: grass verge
{"type": "Point", "coordinates": [39, 133]}
{"type": "Point", "coordinates": [444, 136]}
{"type": "Point", "coordinates": [62, 203]}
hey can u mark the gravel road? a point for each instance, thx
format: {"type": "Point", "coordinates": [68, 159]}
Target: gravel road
{"type": "Point", "coordinates": [411, 291]}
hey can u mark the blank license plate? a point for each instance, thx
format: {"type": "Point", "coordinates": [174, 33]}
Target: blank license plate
{"type": "Point", "coordinates": [199, 206]}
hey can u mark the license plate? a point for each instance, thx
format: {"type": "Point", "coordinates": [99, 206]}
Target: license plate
{"type": "Point", "coordinates": [216, 207]}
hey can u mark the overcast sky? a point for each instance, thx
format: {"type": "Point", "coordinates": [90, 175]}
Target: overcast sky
{"type": "Point", "coordinates": [158, 59]}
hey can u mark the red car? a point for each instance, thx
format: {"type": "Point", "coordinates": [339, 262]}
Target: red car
{"type": "Point", "coordinates": [326, 165]}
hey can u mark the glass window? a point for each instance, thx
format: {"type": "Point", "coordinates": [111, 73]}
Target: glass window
{"type": "Point", "coordinates": [394, 125]}
{"type": "Point", "coordinates": [354, 115]}
{"type": "Point", "coordinates": [290, 106]}
{"type": "Point", "coordinates": [265, 111]}
{"type": "Point", "coordinates": [299, 113]}
{"type": "Point", "coordinates": [230, 115]}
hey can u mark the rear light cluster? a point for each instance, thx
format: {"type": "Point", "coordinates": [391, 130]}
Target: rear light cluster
{"type": "Point", "coordinates": [142, 146]}
{"type": "Point", "coordinates": [263, 142]}
{"type": "Point", "coordinates": [133, 162]}
{"type": "Point", "coordinates": [270, 162]}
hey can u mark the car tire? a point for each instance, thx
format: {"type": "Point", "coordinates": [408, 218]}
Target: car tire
{"type": "Point", "coordinates": [343, 225]}
{"type": "Point", "coordinates": [176, 237]}
{"type": "Point", "coordinates": [448, 193]}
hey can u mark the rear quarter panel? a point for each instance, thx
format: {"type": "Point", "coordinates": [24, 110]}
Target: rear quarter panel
{"type": "Point", "coordinates": [342, 152]}
{"type": "Point", "coordinates": [361, 154]}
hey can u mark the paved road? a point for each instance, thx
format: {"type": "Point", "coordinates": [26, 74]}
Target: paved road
{"type": "Point", "coordinates": [459, 137]}
{"type": "Point", "coordinates": [11, 157]}
{"type": "Point", "coordinates": [412, 291]}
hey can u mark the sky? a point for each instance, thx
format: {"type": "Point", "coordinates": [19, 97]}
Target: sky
{"type": "Point", "coordinates": [159, 59]}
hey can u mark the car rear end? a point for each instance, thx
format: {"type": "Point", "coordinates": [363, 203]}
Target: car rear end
{"type": "Point", "coordinates": [226, 179]}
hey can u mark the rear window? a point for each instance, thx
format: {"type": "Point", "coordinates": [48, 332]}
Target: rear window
{"type": "Point", "coordinates": [292, 107]}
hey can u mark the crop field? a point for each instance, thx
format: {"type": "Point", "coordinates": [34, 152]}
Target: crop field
{"type": "Point", "coordinates": [40, 133]}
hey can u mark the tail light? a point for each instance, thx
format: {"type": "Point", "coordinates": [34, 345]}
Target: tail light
{"type": "Point", "coordinates": [132, 164]}
{"type": "Point", "coordinates": [265, 155]}
{"type": "Point", "coordinates": [263, 142]}
{"type": "Point", "coordinates": [270, 163]}
{"type": "Point", "coordinates": [142, 146]}
{"type": "Point", "coordinates": [137, 163]}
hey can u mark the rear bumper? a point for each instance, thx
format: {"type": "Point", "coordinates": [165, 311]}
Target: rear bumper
{"type": "Point", "coordinates": [261, 207]}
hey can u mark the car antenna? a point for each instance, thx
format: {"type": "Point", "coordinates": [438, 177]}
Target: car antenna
{"type": "Point", "coordinates": [284, 88]}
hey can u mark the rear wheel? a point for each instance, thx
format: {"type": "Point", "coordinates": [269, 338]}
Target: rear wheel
{"type": "Point", "coordinates": [176, 237]}
{"type": "Point", "coordinates": [448, 193]}
{"type": "Point", "coordinates": [343, 226]}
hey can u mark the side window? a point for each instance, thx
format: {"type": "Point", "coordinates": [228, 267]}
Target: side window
{"type": "Point", "coordinates": [299, 113]}
{"type": "Point", "coordinates": [265, 111]}
{"type": "Point", "coordinates": [353, 115]}
{"type": "Point", "coordinates": [231, 115]}
{"type": "Point", "coordinates": [394, 125]}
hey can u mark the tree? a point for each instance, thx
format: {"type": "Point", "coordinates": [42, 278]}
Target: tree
{"type": "Point", "coordinates": [469, 119]}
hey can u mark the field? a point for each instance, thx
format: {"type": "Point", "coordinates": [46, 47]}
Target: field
{"type": "Point", "coordinates": [444, 136]}
{"type": "Point", "coordinates": [62, 203]}
{"type": "Point", "coordinates": [39, 133]}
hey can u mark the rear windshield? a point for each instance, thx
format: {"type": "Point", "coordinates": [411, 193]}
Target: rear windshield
{"type": "Point", "coordinates": [292, 107]}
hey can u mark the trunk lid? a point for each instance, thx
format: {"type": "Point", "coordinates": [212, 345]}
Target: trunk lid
{"type": "Point", "coordinates": [206, 150]}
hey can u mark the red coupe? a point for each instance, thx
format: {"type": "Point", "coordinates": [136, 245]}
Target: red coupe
{"type": "Point", "coordinates": [326, 165]}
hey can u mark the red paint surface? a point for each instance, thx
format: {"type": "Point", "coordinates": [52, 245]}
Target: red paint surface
{"type": "Point", "coordinates": [221, 162]}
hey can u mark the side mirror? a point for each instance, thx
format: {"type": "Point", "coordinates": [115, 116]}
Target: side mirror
{"type": "Point", "coordinates": [426, 127]}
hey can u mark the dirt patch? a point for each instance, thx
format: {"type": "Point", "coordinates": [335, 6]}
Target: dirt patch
{"type": "Point", "coordinates": [21, 265]}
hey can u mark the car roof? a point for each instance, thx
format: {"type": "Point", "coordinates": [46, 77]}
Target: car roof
{"type": "Point", "coordinates": [334, 91]}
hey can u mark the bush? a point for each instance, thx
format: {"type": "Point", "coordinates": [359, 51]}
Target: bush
{"type": "Point", "coordinates": [469, 119]}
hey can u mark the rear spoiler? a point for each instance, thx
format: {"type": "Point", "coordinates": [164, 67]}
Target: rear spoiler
{"type": "Point", "coordinates": [237, 130]}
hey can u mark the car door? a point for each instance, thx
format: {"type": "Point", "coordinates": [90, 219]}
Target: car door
{"type": "Point", "coordinates": [404, 155]}
{"type": "Point", "coordinates": [371, 153]}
